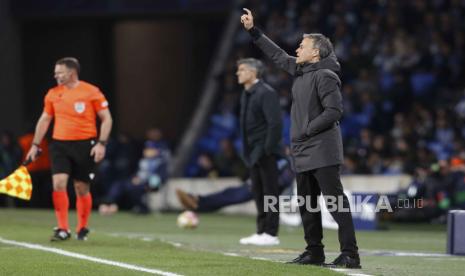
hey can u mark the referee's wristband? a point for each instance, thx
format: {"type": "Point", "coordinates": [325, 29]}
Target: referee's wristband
{"type": "Point", "coordinates": [101, 142]}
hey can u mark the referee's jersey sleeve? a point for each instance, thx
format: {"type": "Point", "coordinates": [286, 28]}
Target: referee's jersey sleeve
{"type": "Point", "coordinates": [48, 104]}
{"type": "Point", "coordinates": [99, 102]}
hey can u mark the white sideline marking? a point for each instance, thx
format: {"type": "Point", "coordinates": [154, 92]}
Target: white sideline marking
{"type": "Point", "coordinates": [231, 254]}
{"type": "Point", "coordinates": [87, 258]}
{"type": "Point", "coordinates": [261, 259]}
{"type": "Point", "coordinates": [403, 254]}
{"type": "Point", "coordinates": [148, 239]}
{"type": "Point", "coordinates": [175, 244]}
{"type": "Point", "coordinates": [349, 272]}
{"type": "Point", "coordinates": [144, 237]}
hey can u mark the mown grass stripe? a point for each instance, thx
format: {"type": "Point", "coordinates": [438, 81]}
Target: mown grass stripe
{"type": "Point", "coordinates": [87, 258]}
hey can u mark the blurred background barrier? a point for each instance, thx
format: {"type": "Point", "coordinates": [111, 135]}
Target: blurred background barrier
{"type": "Point", "coordinates": [166, 199]}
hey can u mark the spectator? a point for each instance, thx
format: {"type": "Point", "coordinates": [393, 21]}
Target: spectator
{"type": "Point", "coordinates": [228, 161]}
{"type": "Point", "coordinates": [10, 154]}
{"type": "Point", "coordinates": [120, 161]}
{"type": "Point", "coordinates": [207, 167]}
{"type": "Point", "coordinates": [151, 175]}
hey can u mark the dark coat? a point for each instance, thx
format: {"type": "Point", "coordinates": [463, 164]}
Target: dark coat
{"type": "Point", "coordinates": [260, 123]}
{"type": "Point", "coordinates": [316, 139]}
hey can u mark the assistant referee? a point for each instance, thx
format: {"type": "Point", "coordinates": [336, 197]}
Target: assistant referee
{"type": "Point", "coordinates": [73, 105]}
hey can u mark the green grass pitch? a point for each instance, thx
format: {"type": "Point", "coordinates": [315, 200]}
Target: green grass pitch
{"type": "Point", "coordinates": [155, 242]}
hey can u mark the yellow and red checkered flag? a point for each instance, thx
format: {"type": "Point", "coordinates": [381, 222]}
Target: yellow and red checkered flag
{"type": "Point", "coordinates": [17, 184]}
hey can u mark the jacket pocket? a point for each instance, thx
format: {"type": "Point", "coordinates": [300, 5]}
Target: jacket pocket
{"type": "Point", "coordinates": [332, 126]}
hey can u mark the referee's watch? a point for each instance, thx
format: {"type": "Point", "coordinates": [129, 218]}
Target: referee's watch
{"type": "Point", "coordinates": [102, 142]}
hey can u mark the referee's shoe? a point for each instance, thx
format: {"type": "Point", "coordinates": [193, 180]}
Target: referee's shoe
{"type": "Point", "coordinates": [82, 234]}
{"type": "Point", "coordinates": [60, 234]}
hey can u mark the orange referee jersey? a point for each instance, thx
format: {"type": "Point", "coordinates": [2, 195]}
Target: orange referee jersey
{"type": "Point", "coordinates": [74, 110]}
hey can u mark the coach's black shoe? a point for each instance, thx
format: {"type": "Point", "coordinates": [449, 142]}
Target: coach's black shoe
{"type": "Point", "coordinates": [82, 234]}
{"type": "Point", "coordinates": [60, 234]}
{"type": "Point", "coordinates": [345, 261]}
{"type": "Point", "coordinates": [309, 258]}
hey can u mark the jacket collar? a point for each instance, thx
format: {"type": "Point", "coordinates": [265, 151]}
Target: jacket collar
{"type": "Point", "coordinates": [330, 62]}
{"type": "Point", "coordinates": [253, 88]}
{"type": "Point", "coordinates": [306, 67]}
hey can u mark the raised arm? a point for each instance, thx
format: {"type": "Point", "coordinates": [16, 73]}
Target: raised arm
{"type": "Point", "coordinates": [268, 47]}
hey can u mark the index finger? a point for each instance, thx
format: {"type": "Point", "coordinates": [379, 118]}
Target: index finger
{"type": "Point", "coordinates": [247, 11]}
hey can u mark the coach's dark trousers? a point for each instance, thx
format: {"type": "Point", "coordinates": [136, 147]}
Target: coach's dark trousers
{"type": "Point", "coordinates": [327, 181]}
{"type": "Point", "coordinates": [264, 175]}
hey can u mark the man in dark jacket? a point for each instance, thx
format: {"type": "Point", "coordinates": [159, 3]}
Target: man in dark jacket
{"type": "Point", "coordinates": [315, 138]}
{"type": "Point", "coordinates": [261, 127]}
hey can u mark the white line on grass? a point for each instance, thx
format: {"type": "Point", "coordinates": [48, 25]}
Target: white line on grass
{"type": "Point", "coordinates": [261, 259]}
{"type": "Point", "coordinates": [175, 244]}
{"type": "Point", "coordinates": [231, 254]}
{"type": "Point", "coordinates": [402, 254]}
{"type": "Point", "coordinates": [87, 258]}
{"type": "Point", "coordinates": [347, 272]}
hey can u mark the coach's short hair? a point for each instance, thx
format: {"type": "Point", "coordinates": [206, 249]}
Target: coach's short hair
{"type": "Point", "coordinates": [70, 62]}
{"type": "Point", "coordinates": [322, 43]}
{"type": "Point", "coordinates": [253, 63]}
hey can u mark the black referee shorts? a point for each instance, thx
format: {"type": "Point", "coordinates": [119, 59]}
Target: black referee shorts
{"type": "Point", "coordinates": [73, 158]}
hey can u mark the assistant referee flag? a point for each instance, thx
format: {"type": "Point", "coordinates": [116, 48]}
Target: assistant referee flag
{"type": "Point", "coordinates": [18, 184]}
